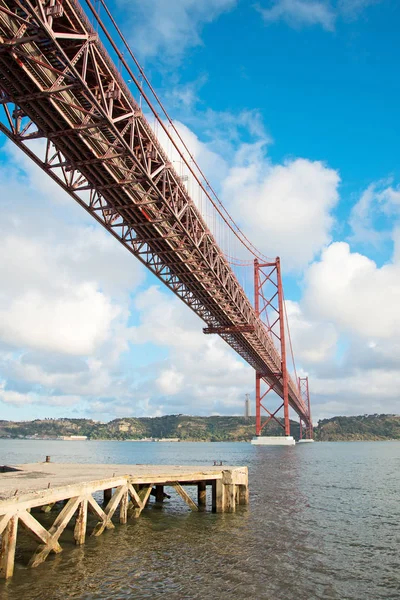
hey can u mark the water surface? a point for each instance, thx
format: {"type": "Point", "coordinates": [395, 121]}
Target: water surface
{"type": "Point", "coordinates": [323, 523]}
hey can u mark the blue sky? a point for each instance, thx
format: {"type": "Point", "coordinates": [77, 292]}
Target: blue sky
{"type": "Point", "coordinates": [291, 108]}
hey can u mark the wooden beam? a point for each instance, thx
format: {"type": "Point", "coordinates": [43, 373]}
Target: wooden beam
{"type": "Point", "coordinates": [110, 509]}
{"type": "Point", "coordinates": [139, 500]}
{"type": "Point", "coordinates": [185, 496]}
{"type": "Point", "coordinates": [96, 510]}
{"type": "Point", "coordinates": [115, 500]}
{"type": "Point", "coordinates": [7, 552]}
{"type": "Point", "coordinates": [134, 494]}
{"type": "Point", "coordinates": [4, 522]}
{"type": "Point", "coordinates": [123, 508]}
{"type": "Point", "coordinates": [55, 531]}
{"type": "Point", "coordinates": [230, 497]}
{"type": "Point", "coordinates": [37, 531]}
{"type": "Point", "coordinates": [80, 523]}
{"type": "Point", "coordinates": [48, 496]}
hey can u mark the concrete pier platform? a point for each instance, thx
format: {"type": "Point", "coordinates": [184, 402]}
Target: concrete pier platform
{"type": "Point", "coordinates": [281, 440]}
{"type": "Point", "coordinates": [68, 490]}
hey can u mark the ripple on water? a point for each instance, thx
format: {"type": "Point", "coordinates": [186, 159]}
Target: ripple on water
{"type": "Point", "coordinates": [323, 523]}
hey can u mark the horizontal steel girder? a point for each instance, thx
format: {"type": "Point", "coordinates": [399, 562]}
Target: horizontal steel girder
{"type": "Point", "coordinates": [229, 329]}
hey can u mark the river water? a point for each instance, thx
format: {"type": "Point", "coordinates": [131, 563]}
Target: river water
{"type": "Point", "coordinates": [323, 523]}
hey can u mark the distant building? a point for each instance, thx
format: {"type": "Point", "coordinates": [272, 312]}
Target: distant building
{"type": "Point", "coordinates": [247, 406]}
{"type": "Point", "coordinates": [73, 438]}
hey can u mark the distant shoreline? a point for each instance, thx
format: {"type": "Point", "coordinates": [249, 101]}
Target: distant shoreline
{"type": "Point", "coordinates": [166, 441]}
{"type": "Point", "coordinates": [181, 428]}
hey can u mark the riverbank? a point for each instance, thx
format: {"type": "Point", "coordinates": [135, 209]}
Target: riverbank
{"type": "Point", "coordinates": [180, 428]}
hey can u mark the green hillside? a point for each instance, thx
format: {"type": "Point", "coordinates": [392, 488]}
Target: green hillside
{"type": "Point", "coordinates": [363, 427]}
{"type": "Point", "coordinates": [171, 426]}
{"type": "Point", "coordinates": [215, 429]}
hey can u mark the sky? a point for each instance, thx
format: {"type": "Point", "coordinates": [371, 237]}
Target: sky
{"type": "Point", "coordinates": [291, 109]}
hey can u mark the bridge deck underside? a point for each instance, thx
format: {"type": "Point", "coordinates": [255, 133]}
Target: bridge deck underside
{"type": "Point", "coordinates": [58, 85]}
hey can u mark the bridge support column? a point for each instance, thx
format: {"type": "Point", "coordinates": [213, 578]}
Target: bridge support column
{"type": "Point", "coordinates": [258, 403]}
{"type": "Point", "coordinates": [305, 394]}
{"type": "Point", "coordinates": [269, 307]}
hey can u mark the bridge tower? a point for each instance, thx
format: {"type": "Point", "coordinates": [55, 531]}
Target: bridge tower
{"type": "Point", "coordinates": [269, 307]}
{"type": "Point", "coordinates": [305, 394]}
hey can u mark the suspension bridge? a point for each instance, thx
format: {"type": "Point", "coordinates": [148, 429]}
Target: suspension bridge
{"type": "Point", "coordinates": [77, 102]}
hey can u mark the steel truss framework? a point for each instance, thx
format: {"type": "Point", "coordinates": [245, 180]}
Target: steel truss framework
{"type": "Point", "coordinates": [268, 302]}
{"type": "Point", "coordinates": [305, 393]}
{"type": "Point", "coordinates": [58, 85]}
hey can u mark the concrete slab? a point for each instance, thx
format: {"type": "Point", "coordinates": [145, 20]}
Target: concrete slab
{"type": "Point", "coordinates": [40, 476]}
{"type": "Point", "coordinates": [273, 440]}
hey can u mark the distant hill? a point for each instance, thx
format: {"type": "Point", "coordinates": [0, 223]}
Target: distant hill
{"type": "Point", "coordinates": [214, 429]}
{"type": "Point", "coordinates": [363, 427]}
{"type": "Point", "coordinates": [182, 427]}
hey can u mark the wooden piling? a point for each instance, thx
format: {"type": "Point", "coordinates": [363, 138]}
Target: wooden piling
{"type": "Point", "coordinates": [8, 544]}
{"type": "Point", "coordinates": [159, 493]}
{"type": "Point", "coordinates": [123, 508]}
{"type": "Point", "coordinates": [80, 524]}
{"type": "Point", "coordinates": [201, 494]}
{"type": "Point", "coordinates": [218, 496]}
{"type": "Point", "coordinates": [107, 496]}
{"type": "Point", "coordinates": [230, 497]}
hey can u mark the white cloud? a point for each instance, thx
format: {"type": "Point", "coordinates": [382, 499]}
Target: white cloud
{"type": "Point", "coordinates": [372, 217]}
{"type": "Point", "coordinates": [361, 392]}
{"type": "Point", "coordinates": [306, 13]}
{"type": "Point", "coordinates": [351, 9]}
{"type": "Point", "coordinates": [167, 29]}
{"type": "Point", "coordinates": [314, 341]}
{"type": "Point", "coordinates": [170, 382]}
{"type": "Point", "coordinates": [201, 375]}
{"type": "Point", "coordinates": [49, 298]}
{"type": "Point", "coordinates": [300, 13]}
{"type": "Point", "coordinates": [350, 290]}
{"type": "Point", "coordinates": [20, 399]}
{"type": "Point", "coordinates": [76, 325]}
{"type": "Point", "coordinates": [65, 295]}
{"type": "Point", "coordinates": [211, 163]}
{"type": "Point", "coordinates": [285, 209]}
{"type": "Point", "coordinates": [185, 96]}
{"type": "Point", "coordinates": [346, 332]}
{"type": "Point", "coordinates": [42, 307]}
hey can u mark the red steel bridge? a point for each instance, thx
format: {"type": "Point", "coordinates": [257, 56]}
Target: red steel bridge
{"type": "Point", "coordinates": [81, 109]}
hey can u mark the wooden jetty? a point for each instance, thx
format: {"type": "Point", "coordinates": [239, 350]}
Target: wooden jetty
{"type": "Point", "coordinates": [124, 490]}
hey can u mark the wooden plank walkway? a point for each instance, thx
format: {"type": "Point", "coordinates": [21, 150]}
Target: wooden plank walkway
{"type": "Point", "coordinates": [126, 489]}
